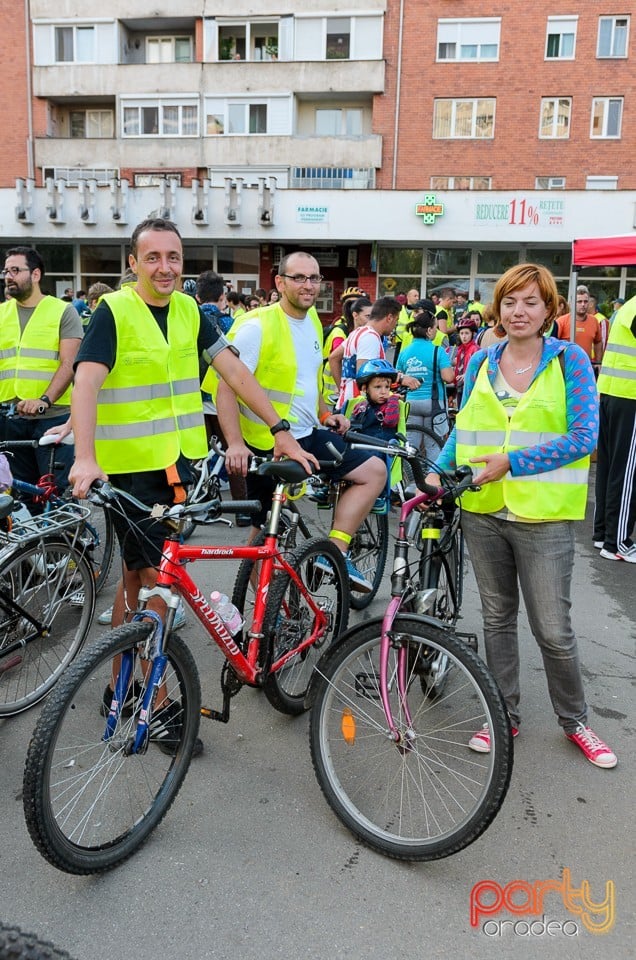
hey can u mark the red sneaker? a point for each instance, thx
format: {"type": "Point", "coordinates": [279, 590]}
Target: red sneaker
{"type": "Point", "coordinates": [480, 741]}
{"type": "Point", "coordinates": [594, 749]}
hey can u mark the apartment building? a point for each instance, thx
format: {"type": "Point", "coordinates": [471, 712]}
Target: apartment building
{"type": "Point", "coordinates": [403, 143]}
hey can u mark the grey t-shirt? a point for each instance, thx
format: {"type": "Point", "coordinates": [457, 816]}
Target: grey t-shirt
{"type": "Point", "coordinates": [71, 328]}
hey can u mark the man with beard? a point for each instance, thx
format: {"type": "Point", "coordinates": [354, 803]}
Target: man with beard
{"type": "Point", "coordinates": [39, 338]}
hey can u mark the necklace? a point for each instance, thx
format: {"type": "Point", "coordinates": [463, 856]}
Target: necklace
{"type": "Point", "coordinates": [520, 370]}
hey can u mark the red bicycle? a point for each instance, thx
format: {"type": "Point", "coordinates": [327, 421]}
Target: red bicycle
{"type": "Point", "coordinates": [101, 773]}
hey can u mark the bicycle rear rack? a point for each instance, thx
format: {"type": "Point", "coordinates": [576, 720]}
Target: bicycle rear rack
{"type": "Point", "coordinates": [69, 516]}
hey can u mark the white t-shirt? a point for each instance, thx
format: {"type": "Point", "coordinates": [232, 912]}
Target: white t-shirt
{"type": "Point", "coordinates": [304, 408]}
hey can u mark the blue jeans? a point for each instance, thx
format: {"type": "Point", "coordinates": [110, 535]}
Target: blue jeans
{"type": "Point", "coordinates": [538, 557]}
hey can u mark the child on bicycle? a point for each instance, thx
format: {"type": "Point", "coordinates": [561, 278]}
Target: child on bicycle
{"type": "Point", "coordinates": [377, 411]}
{"type": "Point", "coordinates": [467, 328]}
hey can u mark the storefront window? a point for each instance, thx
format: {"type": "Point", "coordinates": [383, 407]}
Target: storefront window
{"type": "Point", "coordinates": [496, 262]}
{"type": "Point", "coordinates": [447, 262]}
{"type": "Point", "coordinates": [100, 260]}
{"type": "Point", "coordinates": [558, 261]}
{"type": "Point", "coordinates": [58, 257]}
{"type": "Point", "coordinates": [401, 261]}
{"type": "Point", "coordinates": [238, 260]}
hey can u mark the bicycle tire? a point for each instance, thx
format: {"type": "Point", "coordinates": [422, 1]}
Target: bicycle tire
{"type": "Point", "coordinates": [430, 798]}
{"type": "Point", "coordinates": [53, 582]}
{"type": "Point", "coordinates": [17, 945]}
{"type": "Point", "coordinates": [288, 619]}
{"type": "Point", "coordinates": [88, 804]}
{"type": "Point", "coordinates": [368, 552]}
{"type": "Point", "coordinates": [243, 590]}
{"type": "Point", "coordinates": [436, 573]}
{"type": "Point", "coordinates": [100, 542]}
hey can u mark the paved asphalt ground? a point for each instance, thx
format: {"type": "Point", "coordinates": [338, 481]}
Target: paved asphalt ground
{"type": "Point", "coordinates": [250, 863]}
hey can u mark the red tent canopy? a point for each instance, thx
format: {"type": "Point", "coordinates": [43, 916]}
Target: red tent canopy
{"type": "Point", "coordinates": [604, 252]}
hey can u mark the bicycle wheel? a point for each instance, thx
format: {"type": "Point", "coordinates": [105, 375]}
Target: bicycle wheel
{"type": "Point", "coordinates": [89, 802]}
{"type": "Point", "coordinates": [368, 552]}
{"type": "Point", "coordinates": [437, 586]}
{"type": "Point", "coordinates": [17, 945]}
{"type": "Point", "coordinates": [52, 588]}
{"type": "Point", "coordinates": [430, 795]}
{"type": "Point", "coordinates": [289, 620]}
{"type": "Point", "coordinates": [100, 540]}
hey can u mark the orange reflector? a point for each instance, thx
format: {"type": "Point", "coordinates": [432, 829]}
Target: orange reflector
{"type": "Point", "coordinates": [348, 726]}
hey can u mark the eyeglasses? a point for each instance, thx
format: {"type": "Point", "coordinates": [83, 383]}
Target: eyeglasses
{"type": "Point", "coordinates": [301, 278]}
{"type": "Point", "coordinates": [14, 271]}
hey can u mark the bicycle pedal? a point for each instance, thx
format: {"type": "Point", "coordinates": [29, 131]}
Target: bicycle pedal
{"type": "Point", "coordinates": [368, 685]}
{"type": "Point", "coordinates": [470, 639]}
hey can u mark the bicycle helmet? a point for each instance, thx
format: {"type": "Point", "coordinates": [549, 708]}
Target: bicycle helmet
{"type": "Point", "coordinates": [190, 287]}
{"type": "Point", "coordinates": [352, 293]}
{"type": "Point", "coordinates": [374, 368]}
{"type": "Point", "coordinates": [467, 323]}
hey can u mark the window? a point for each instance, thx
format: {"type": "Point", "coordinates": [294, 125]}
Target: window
{"type": "Point", "coordinates": [607, 113]}
{"type": "Point", "coordinates": [339, 123]}
{"type": "Point", "coordinates": [612, 36]}
{"type": "Point", "coordinates": [91, 123]}
{"type": "Point", "coordinates": [265, 115]}
{"type": "Point", "coordinates": [601, 183]}
{"type": "Point", "coordinates": [248, 41]}
{"type": "Point", "coordinates": [464, 119]}
{"type": "Point", "coordinates": [555, 118]}
{"type": "Point", "coordinates": [74, 44]}
{"type": "Point", "coordinates": [161, 119]}
{"type": "Point", "coordinates": [461, 183]}
{"type": "Point", "coordinates": [468, 39]}
{"type": "Point", "coordinates": [549, 183]}
{"type": "Point", "coordinates": [561, 38]}
{"type": "Point", "coordinates": [72, 175]}
{"type": "Point", "coordinates": [338, 38]}
{"type": "Point", "coordinates": [168, 50]}
{"type": "Point", "coordinates": [332, 178]}
{"type": "Point", "coordinates": [154, 179]}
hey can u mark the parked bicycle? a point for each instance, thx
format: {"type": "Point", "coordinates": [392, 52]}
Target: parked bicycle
{"type": "Point", "coordinates": [43, 567]}
{"type": "Point", "coordinates": [389, 741]}
{"type": "Point", "coordinates": [101, 772]}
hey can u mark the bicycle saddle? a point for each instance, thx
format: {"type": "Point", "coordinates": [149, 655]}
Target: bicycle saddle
{"type": "Point", "coordinates": [289, 471]}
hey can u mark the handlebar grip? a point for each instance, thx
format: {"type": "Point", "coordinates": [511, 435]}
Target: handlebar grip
{"type": "Point", "coordinates": [418, 476]}
{"type": "Point", "coordinates": [240, 506]}
{"type": "Point", "coordinates": [351, 436]}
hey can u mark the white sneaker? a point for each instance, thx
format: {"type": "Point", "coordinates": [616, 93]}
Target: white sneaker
{"type": "Point", "coordinates": [105, 617]}
{"type": "Point", "coordinates": [599, 544]}
{"type": "Point", "coordinates": [622, 553]}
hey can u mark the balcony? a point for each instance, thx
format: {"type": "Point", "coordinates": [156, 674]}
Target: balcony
{"type": "Point", "coordinates": [227, 151]}
{"type": "Point", "coordinates": [64, 82]}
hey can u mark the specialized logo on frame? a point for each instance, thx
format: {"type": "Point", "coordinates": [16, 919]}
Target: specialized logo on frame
{"type": "Point", "coordinates": [490, 902]}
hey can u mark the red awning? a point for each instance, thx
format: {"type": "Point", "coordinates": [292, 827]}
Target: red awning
{"type": "Point", "coordinates": [604, 252]}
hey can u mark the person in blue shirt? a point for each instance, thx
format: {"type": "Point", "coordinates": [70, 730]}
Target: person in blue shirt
{"type": "Point", "coordinates": [418, 360]}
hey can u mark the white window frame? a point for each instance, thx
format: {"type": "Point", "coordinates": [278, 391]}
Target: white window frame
{"type": "Point", "coordinates": [170, 42]}
{"type": "Point", "coordinates": [75, 28]}
{"type": "Point", "coordinates": [612, 55]}
{"type": "Point", "coordinates": [74, 175]}
{"type": "Point", "coordinates": [212, 109]}
{"type": "Point", "coordinates": [455, 103]}
{"type": "Point", "coordinates": [462, 29]}
{"type": "Point", "coordinates": [252, 27]}
{"type": "Point", "coordinates": [436, 183]}
{"type": "Point", "coordinates": [346, 114]}
{"type": "Point", "coordinates": [105, 119]}
{"type": "Point", "coordinates": [601, 183]}
{"type": "Point", "coordinates": [559, 25]}
{"type": "Point", "coordinates": [555, 121]}
{"type": "Point", "coordinates": [160, 104]}
{"type": "Point", "coordinates": [146, 179]}
{"type": "Point", "coordinates": [606, 101]}
{"type": "Point", "coordinates": [551, 183]}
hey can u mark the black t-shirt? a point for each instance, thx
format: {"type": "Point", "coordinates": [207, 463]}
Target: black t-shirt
{"type": "Point", "coordinates": [100, 338]}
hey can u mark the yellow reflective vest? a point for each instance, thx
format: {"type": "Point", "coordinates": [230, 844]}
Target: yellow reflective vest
{"type": "Point", "coordinates": [276, 371]}
{"type": "Point", "coordinates": [618, 372]}
{"type": "Point", "coordinates": [483, 426]}
{"type": "Point", "coordinates": [29, 361]}
{"type": "Point", "coordinates": [149, 409]}
{"type": "Point", "coordinates": [329, 387]}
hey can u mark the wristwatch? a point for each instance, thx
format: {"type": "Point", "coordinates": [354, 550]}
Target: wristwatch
{"type": "Point", "coordinates": [46, 400]}
{"type": "Point", "coordinates": [281, 425]}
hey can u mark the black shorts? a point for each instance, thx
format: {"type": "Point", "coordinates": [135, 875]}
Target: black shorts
{"type": "Point", "coordinates": [262, 488]}
{"type": "Point", "coordinates": [151, 487]}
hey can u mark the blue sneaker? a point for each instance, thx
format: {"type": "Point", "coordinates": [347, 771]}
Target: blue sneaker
{"type": "Point", "coordinates": [357, 581]}
{"type": "Point", "coordinates": [324, 564]}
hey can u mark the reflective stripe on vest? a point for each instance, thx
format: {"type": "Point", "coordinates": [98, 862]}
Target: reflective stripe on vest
{"type": "Point", "coordinates": [30, 358]}
{"type": "Point", "coordinates": [618, 372]}
{"type": "Point", "coordinates": [149, 408]}
{"type": "Point", "coordinates": [540, 417]}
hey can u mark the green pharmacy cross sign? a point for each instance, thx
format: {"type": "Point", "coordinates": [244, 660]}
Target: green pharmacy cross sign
{"type": "Point", "coordinates": [429, 210]}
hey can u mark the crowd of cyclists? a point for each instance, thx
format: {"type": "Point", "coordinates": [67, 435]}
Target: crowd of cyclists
{"type": "Point", "coordinates": [279, 379]}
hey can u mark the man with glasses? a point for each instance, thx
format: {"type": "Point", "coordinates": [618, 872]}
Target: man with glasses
{"type": "Point", "coordinates": [282, 345]}
{"type": "Point", "coordinates": [39, 338]}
